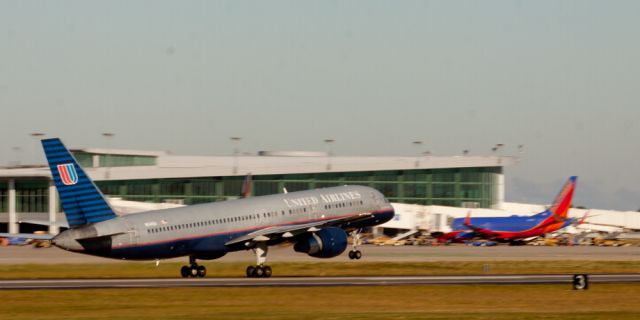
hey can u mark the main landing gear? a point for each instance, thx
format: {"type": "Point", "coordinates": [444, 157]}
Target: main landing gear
{"type": "Point", "coordinates": [193, 270]}
{"type": "Point", "coordinates": [355, 254]}
{"type": "Point", "coordinates": [259, 270]}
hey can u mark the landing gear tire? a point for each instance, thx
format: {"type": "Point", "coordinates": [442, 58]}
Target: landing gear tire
{"type": "Point", "coordinates": [193, 272]}
{"type": "Point", "coordinates": [185, 271]}
{"type": "Point", "coordinates": [355, 254]}
{"type": "Point", "coordinates": [267, 272]}
{"type": "Point", "coordinates": [202, 271]}
{"type": "Point", "coordinates": [250, 271]}
{"type": "Point", "coordinates": [258, 272]}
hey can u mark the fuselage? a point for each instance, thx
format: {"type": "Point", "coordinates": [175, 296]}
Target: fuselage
{"type": "Point", "coordinates": [506, 228]}
{"type": "Point", "coordinates": [202, 230]}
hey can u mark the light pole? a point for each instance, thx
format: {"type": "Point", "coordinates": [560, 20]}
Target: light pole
{"type": "Point", "coordinates": [107, 157]}
{"type": "Point", "coordinates": [497, 147]}
{"type": "Point", "coordinates": [417, 143]}
{"type": "Point", "coordinates": [107, 136]}
{"type": "Point", "coordinates": [235, 141]}
{"type": "Point", "coordinates": [329, 142]}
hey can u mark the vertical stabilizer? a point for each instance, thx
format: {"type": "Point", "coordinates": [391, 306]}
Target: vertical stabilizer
{"type": "Point", "coordinates": [562, 203]}
{"type": "Point", "coordinates": [246, 186]}
{"type": "Point", "coordinates": [81, 200]}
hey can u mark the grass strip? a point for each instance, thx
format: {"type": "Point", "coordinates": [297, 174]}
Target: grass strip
{"type": "Point", "coordinates": [601, 301]}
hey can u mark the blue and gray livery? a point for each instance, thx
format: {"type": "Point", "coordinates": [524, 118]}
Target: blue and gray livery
{"type": "Point", "coordinates": [315, 221]}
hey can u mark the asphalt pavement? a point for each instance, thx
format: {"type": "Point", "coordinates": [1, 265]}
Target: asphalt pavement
{"type": "Point", "coordinates": [307, 281]}
{"type": "Point", "coordinates": [53, 255]}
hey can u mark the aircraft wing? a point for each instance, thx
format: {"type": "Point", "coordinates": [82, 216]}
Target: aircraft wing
{"type": "Point", "coordinates": [477, 231]}
{"type": "Point", "coordinates": [28, 236]}
{"type": "Point", "coordinates": [291, 230]}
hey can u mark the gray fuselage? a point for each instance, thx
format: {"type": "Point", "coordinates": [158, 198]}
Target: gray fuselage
{"type": "Point", "coordinates": [202, 230]}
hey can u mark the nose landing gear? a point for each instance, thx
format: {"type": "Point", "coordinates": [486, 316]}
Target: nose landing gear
{"type": "Point", "coordinates": [355, 254]}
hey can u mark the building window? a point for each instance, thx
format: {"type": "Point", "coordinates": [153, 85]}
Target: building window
{"type": "Point", "coordinates": [32, 196]}
{"type": "Point", "coordinates": [117, 160]}
{"type": "Point", "coordinates": [84, 159]}
{"type": "Point", "coordinates": [4, 197]}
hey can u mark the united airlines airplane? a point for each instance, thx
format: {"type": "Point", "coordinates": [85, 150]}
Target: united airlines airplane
{"type": "Point", "coordinates": [315, 221]}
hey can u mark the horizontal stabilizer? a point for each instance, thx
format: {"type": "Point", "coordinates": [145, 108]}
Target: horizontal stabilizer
{"type": "Point", "coordinates": [46, 223]}
{"type": "Point", "coordinates": [27, 236]}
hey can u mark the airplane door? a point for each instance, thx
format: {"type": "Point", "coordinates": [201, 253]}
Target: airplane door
{"type": "Point", "coordinates": [315, 212]}
{"type": "Point", "coordinates": [133, 233]}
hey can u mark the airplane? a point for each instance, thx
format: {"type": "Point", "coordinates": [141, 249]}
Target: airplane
{"type": "Point", "coordinates": [315, 221]}
{"type": "Point", "coordinates": [515, 229]}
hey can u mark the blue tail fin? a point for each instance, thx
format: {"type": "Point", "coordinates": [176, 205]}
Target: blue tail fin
{"type": "Point", "coordinates": [81, 200]}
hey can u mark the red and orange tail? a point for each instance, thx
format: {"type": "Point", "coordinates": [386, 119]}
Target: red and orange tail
{"type": "Point", "coordinates": [246, 186]}
{"type": "Point", "coordinates": [562, 203]}
{"type": "Point", "coordinates": [467, 221]}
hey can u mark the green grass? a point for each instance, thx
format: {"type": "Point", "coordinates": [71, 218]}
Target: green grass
{"type": "Point", "coordinates": [601, 301]}
{"type": "Point", "coordinates": [292, 269]}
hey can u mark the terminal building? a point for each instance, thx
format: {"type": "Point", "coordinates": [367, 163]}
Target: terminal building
{"type": "Point", "coordinates": [27, 192]}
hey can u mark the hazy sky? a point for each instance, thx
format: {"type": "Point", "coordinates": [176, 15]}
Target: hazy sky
{"type": "Point", "coordinates": [560, 77]}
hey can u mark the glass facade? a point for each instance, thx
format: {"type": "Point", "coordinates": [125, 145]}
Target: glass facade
{"type": "Point", "coordinates": [114, 160]}
{"type": "Point", "coordinates": [470, 187]}
{"type": "Point", "coordinates": [449, 187]}
{"type": "Point", "coordinates": [4, 194]}
{"type": "Point", "coordinates": [32, 196]}
{"type": "Point", "coordinates": [84, 159]}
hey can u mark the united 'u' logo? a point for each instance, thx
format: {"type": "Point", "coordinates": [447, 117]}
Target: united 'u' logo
{"type": "Point", "coordinates": [68, 174]}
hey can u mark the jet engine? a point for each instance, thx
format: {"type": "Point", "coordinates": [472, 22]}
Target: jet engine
{"type": "Point", "coordinates": [326, 243]}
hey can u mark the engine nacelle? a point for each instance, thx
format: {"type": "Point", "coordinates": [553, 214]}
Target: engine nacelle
{"type": "Point", "coordinates": [326, 243]}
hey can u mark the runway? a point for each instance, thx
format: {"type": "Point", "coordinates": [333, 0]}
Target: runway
{"type": "Point", "coordinates": [29, 255]}
{"type": "Point", "coordinates": [307, 281]}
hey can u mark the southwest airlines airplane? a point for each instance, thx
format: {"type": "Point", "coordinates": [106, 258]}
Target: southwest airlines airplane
{"type": "Point", "coordinates": [315, 221]}
{"type": "Point", "coordinates": [515, 229]}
